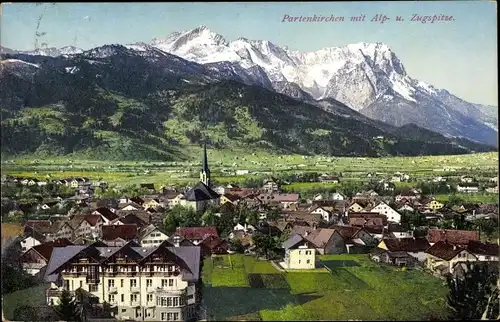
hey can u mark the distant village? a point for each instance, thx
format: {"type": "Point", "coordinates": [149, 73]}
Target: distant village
{"type": "Point", "coordinates": [118, 250]}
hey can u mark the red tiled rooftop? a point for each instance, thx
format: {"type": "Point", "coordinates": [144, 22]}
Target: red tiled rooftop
{"type": "Point", "coordinates": [459, 237]}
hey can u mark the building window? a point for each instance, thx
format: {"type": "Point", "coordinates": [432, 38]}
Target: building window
{"type": "Point", "coordinates": [121, 282]}
{"type": "Point", "coordinates": [163, 316]}
{"type": "Point", "coordinates": [170, 316]}
{"type": "Point", "coordinates": [487, 257]}
{"type": "Point", "coordinates": [111, 298]}
{"type": "Point", "coordinates": [133, 283]}
{"type": "Point", "coordinates": [170, 282]}
{"type": "Point", "coordinates": [92, 288]}
{"type": "Point", "coordinates": [169, 301]}
{"type": "Point", "coordinates": [308, 261]}
{"type": "Point", "coordinates": [111, 283]}
{"type": "Point", "coordinates": [137, 312]}
{"type": "Point", "coordinates": [176, 316]}
{"type": "Point", "coordinates": [81, 284]}
{"type": "Point", "coordinates": [176, 301]}
{"type": "Point", "coordinates": [149, 298]}
{"type": "Point", "coordinates": [299, 261]}
{"type": "Point", "coordinates": [133, 297]}
{"type": "Point", "coordinates": [149, 282]}
{"type": "Point", "coordinates": [123, 297]}
{"type": "Point", "coordinates": [190, 296]}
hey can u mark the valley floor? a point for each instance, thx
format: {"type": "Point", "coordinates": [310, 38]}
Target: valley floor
{"type": "Point", "coordinates": [238, 287]}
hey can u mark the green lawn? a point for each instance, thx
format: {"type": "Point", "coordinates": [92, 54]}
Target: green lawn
{"type": "Point", "coordinates": [356, 288]}
{"type": "Point", "coordinates": [33, 296]}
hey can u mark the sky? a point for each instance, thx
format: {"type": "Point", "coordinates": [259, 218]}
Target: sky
{"type": "Point", "coordinates": [459, 56]}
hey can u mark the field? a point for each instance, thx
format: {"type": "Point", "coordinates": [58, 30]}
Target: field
{"type": "Point", "coordinates": [34, 296]}
{"type": "Point", "coordinates": [224, 166]}
{"type": "Point", "coordinates": [11, 230]}
{"type": "Point", "coordinates": [356, 289]}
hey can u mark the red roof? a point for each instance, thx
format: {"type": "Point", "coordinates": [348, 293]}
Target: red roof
{"type": "Point", "coordinates": [458, 237]}
{"type": "Point", "coordinates": [407, 244]}
{"type": "Point", "coordinates": [92, 219]}
{"type": "Point", "coordinates": [45, 249]}
{"type": "Point", "coordinates": [197, 232]}
{"type": "Point", "coordinates": [126, 231]}
{"type": "Point", "coordinates": [444, 250]}
{"type": "Point", "coordinates": [107, 213]}
{"type": "Point", "coordinates": [478, 248]}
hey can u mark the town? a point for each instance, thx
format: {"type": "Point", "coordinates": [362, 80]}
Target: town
{"type": "Point", "coordinates": [145, 255]}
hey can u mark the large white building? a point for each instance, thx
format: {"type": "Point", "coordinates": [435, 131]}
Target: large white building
{"type": "Point", "coordinates": [156, 283]}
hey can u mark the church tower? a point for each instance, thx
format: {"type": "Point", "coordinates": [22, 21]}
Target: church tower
{"type": "Point", "coordinates": [205, 172]}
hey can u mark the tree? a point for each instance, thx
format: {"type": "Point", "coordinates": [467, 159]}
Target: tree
{"type": "Point", "coordinates": [266, 245]}
{"type": "Point", "coordinates": [453, 200]}
{"type": "Point", "coordinates": [473, 296]}
{"type": "Point", "coordinates": [486, 226]}
{"type": "Point", "coordinates": [67, 308]}
{"type": "Point", "coordinates": [25, 313]}
{"type": "Point", "coordinates": [236, 245]}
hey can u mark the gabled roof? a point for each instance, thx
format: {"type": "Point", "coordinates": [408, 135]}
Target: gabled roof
{"type": "Point", "coordinates": [320, 237]}
{"type": "Point", "coordinates": [292, 241]}
{"type": "Point", "coordinates": [106, 213]}
{"type": "Point", "coordinates": [144, 231]}
{"type": "Point", "coordinates": [407, 244]}
{"type": "Point", "coordinates": [42, 226]}
{"type": "Point", "coordinates": [201, 192]}
{"type": "Point", "coordinates": [232, 197]}
{"type": "Point", "coordinates": [459, 237]}
{"type": "Point", "coordinates": [347, 232]}
{"type": "Point", "coordinates": [126, 232]}
{"type": "Point", "coordinates": [45, 249]}
{"type": "Point", "coordinates": [444, 250]}
{"type": "Point", "coordinates": [478, 248]}
{"type": "Point", "coordinates": [92, 219]}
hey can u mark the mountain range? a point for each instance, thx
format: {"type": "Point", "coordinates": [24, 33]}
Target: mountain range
{"type": "Point", "coordinates": [356, 99]}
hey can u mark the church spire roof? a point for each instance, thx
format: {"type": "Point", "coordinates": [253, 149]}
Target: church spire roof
{"type": "Point", "coordinates": [204, 166]}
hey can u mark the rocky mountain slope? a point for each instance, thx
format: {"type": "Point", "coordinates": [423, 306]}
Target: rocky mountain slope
{"type": "Point", "coordinates": [368, 77]}
{"type": "Point", "coordinates": [136, 102]}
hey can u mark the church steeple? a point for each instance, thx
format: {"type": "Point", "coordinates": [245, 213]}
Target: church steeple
{"type": "Point", "coordinates": [205, 171]}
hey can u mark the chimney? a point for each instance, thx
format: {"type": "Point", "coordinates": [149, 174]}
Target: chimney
{"type": "Point", "coordinates": [176, 241]}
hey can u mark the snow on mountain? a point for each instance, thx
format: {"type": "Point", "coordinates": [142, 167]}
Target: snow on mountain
{"type": "Point", "coordinates": [368, 77]}
{"type": "Point", "coordinates": [54, 52]}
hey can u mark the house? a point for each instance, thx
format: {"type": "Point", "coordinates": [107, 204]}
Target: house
{"type": "Point", "coordinates": [415, 247]}
{"type": "Point", "coordinates": [126, 232]}
{"type": "Point", "coordinates": [151, 235]}
{"type": "Point", "coordinates": [196, 234]}
{"type": "Point", "coordinates": [106, 215]}
{"type": "Point", "coordinates": [149, 284]}
{"type": "Point", "coordinates": [356, 207]}
{"type": "Point", "coordinates": [399, 231]}
{"type": "Point", "coordinates": [406, 208]}
{"type": "Point", "coordinates": [326, 215]}
{"type": "Point", "coordinates": [363, 219]}
{"type": "Point", "coordinates": [270, 186]}
{"type": "Point", "coordinates": [439, 179]}
{"type": "Point", "coordinates": [151, 203]}
{"type": "Point", "coordinates": [326, 241]}
{"type": "Point", "coordinates": [408, 195]}
{"type": "Point", "coordinates": [338, 196]}
{"type": "Point", "coordinates": [468, 187]}
{"type": "Point", "coordinates": [493, 189]}
{"type": "Point", "coordinates": [30, 241]}
{"type": "Point", "coordinates": [141, 219]}
{"type": "Point", "coordinates": [213, 245]}
{"type": "Point", "coordinates": [384, 209]}
{"type": "Point", "coordinates": [42, 227]}
{"type": "Point", "coordinates": [452, 236]}
{"type": "Point", "coordinates": [397, 258]}
{"type": "Point", "coordinates": [285, 200]}
{"type": "Point", "coordinates": [200, 196]}
{"type": "Point", "coordinates": [229, 198]}
{"type": "Point", "coordinates": [442, 257]}
{"type": "Point", "coordinates": [484, 252]}
{"type": "Point", "coordinates": [67, 229]}
{"type": "Point", "coordinates": [466, 179]}
{"type": "Point", "coordinates": [434, 205]}
{"type": "Point", "coordinates": [299, 253]}
{"type": "Point", "coordinates": [90, 226]}
{"type": "Point", "coordinates": [357, 240]}
{"type": "Point", "coordinates": [37, 257]}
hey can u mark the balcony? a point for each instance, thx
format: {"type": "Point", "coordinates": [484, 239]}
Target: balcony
{"type": "Point", "coordinates": [165, 291]}
{"type": "Point", "coordinates": [135, 289]}
{"type": "Point", "coordinates": [112, 289]}
{"type": "Point", "coordinates": [113, 303]}
{"type": "Point", "coordinates": [56, 292]}
{"type": "Point", "coordinates": [150, 289]}
{"type": "Point", "coordinates": [135, 303]}
{"type": "Point", "coordinates": [151, 304]}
